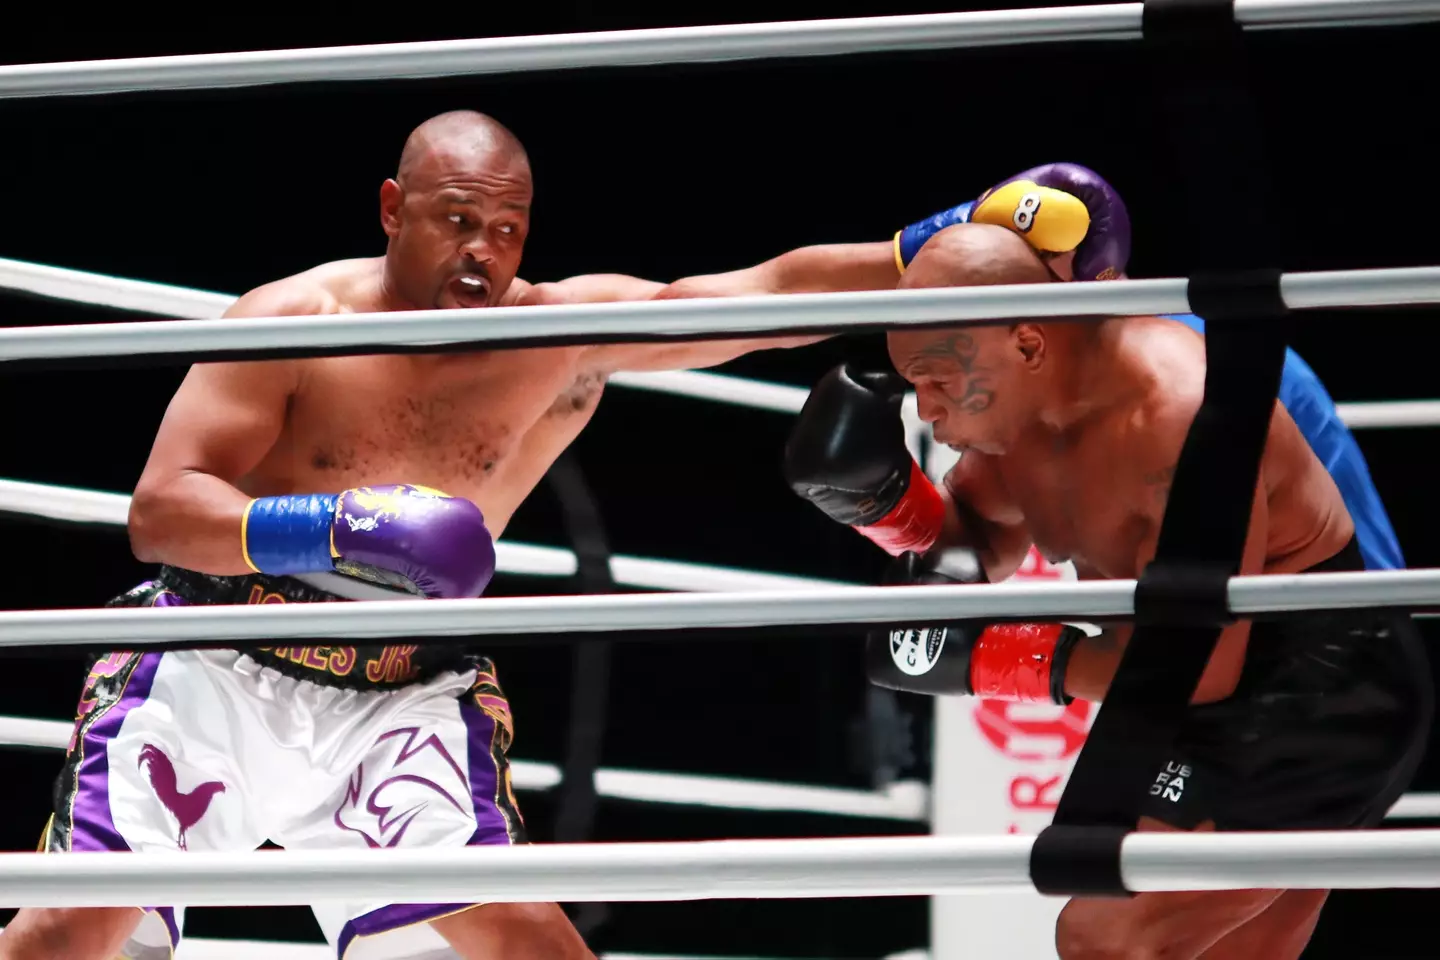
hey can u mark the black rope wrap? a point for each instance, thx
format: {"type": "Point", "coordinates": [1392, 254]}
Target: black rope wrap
{"type": "Point", "coordinates": [1197, 68]}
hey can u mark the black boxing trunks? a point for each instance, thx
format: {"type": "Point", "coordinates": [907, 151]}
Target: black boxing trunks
{"type": "Point", "coordinates": [1325, 729]}
{"type": "Point", "coordinates": [370, 667]}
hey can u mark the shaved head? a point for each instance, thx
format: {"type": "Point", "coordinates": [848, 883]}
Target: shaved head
{"type": "Point", "coordinates": [977, 384]}
{"type": "Point", "coordinates": [456, 141]}
{"type": "Point", "coordinates": [974, 254]}
{"type": "Point", "coordinates": [456, 213]}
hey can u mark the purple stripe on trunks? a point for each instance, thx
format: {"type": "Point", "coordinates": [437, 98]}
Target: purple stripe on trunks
{"type": "Point", "coordinates": [92, 825]}
{"type": "Point", "coordinates": [491, 827]}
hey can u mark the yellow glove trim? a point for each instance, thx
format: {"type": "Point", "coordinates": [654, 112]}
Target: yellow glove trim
{"type": "Point", "coordinates": [244, 541]}
{"type": "Point", "coordinates": [899, 260]}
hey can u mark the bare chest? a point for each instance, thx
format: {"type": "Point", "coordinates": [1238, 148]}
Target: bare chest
{"type": "Point", "coordinates": [482, 426]}
{"type": "Point", "coordinates": [1085, 506]}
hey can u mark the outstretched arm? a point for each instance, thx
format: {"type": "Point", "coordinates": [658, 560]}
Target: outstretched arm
{"type": "Point", "coordinates": [586, 288]}
{"type": "Point", "coordinates": [827, 268]}
{"type": "Point", "coordinates": [824, 268]}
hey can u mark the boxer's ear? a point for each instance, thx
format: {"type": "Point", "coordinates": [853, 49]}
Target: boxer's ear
{"type": "Point", "coordinates": [1029, 341]}
{"type": "Point", "coordinates": [392, 196]}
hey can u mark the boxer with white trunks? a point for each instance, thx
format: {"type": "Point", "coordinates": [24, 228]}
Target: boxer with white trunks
{"type": "Point", "coordinates": [265, 476]}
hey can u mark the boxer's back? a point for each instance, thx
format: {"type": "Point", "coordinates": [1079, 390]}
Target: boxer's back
{"type": "Point", "coordinates": [483, 425]}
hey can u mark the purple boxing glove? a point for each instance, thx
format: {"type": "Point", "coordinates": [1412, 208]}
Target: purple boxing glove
{"type": "Point", "coordinates": [431, 542]}
{"type": "Point", "coordinates": [1057, 208]}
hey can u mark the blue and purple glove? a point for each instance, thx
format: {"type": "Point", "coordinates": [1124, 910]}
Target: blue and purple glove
{"type": "Point", "coordinates": [1057, 208]}
{"type": "Point", "coordinates": [438, 544]}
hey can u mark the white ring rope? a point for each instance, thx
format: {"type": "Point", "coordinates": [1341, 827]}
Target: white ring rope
{"type": "Point", "coordinates": [902, 801]}
{"type": "Point", "coordinates": [1085, 601]}
{"type": "Point", "coordinates": [1389, 414]}
{"type": "Point", "coordinates": [727, 869]}
{"type": "Point", "coordinates": [905, 800]}
{"type": "Point", "coordinates": [164, 300]}
{"type": "Point", "coordinates": [158, 299]}
{"type": "Point", "coordinates": [74, 505]}
{"type": "Point", "coordinates": [201, 948]}
{"type": "Point", "coordinates": [724, 869]}
{"type": "Point", "coordinates": [747, 316]}
{"type": "Point", "coordinates": [706, 44]}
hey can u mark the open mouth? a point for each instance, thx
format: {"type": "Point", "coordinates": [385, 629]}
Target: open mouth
{"type": "Point", "coordinates": [470, 291]}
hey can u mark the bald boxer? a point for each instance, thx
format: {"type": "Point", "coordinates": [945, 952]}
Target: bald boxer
{"type": "Point", "coordinates": [1069, 434]}
{"type": "Point", "coordinates": [1079, 226]}
{"type": "Point", "coordinates": [318, 480]}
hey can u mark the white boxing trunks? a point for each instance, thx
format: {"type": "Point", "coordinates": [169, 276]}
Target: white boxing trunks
{"type": "Point", "coordinates": [220, 750]}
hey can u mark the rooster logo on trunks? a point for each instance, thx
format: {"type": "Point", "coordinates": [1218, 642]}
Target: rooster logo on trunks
{"type": "Point", "coordinates": [187, 808]}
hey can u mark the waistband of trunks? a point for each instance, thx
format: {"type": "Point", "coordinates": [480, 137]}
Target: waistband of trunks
{"type": "Point", "coordinates": [353, 667]}
{"type": "Point", "coordinates": [203, 589]}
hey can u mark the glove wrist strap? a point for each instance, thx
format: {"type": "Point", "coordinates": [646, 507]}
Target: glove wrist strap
{"type": "Point", "coordinates": [1021, 662]}
{"type": "Point", "coordinates": [913, 524]}
{"type": "Point", "coordinates": [289, 534]}
{"type": "Point", "coordinates": [910, 239]}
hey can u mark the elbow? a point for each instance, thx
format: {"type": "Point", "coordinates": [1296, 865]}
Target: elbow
{"type": "Point", "coordinates": [1227, 663]}
{"type": "Point", "coordinates": [686, 289]}
{"type": "Point", "coordinates": [141, 523]}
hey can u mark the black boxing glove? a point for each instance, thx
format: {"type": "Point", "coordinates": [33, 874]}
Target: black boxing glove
{"type": "Point", "coordinates": [847, 455]}
{"type": "Point", "coordinates": [1019, 662]}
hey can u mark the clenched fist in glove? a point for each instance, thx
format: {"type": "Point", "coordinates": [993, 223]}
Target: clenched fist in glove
{"type": "Point", "coordinates": [1021, 662]}
{"type": "Point", "coordinates": [1057, 208]}
{"type": "Point", "coordinates": [847, 455]}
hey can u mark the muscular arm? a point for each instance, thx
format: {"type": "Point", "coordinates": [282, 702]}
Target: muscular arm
{"type": "Point", "coordinates": [586, 288]}
{"type": "Point", "coordinates": [186, 509]}
{"type": "Point", "coordinates": [827, 268]}
{"type": "Point", "coordinates": [824, 268]}
{"type": "Point", "coordinates": [605, 359]}
{"type": "Point", "coordinates": [1095, 659]}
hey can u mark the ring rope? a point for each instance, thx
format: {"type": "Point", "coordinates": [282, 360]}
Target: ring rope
{"type": "Point", "coordinates": [158, 299]}
{"type": "Point", "coordinates": [707, 44]}
{"type": "Point", "coordinates": [725, 869]}
{"type": "Point", "coordinates": [834, 877]}
{"type": "Point", "coordinates": [73, 505]}
{"type": "Point", "coordinates": [502, 619]}
{"type": "Point", "coordinates": [204, 948]}
{"type": "Point", "coordinates": [903, 800]}
{"type": "Point", "coordinates": [1198, 76]}
{"type": "Point", "coordinates": [164, 300]}
{"type": "Point", "coordinates": [148, 340]}
{"type": "Point", "coordinates": [907, 800]}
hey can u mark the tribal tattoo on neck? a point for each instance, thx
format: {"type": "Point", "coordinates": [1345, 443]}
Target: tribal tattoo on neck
{"type": "Point", "coordinates": [977, 394]}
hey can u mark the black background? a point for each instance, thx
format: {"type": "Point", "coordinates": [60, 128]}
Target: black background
{"type": "Point", "coordinates": [663, 172]}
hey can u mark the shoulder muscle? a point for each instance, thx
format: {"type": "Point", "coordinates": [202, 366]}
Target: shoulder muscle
{"type": "Point", "coordinates": [291, 297]}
